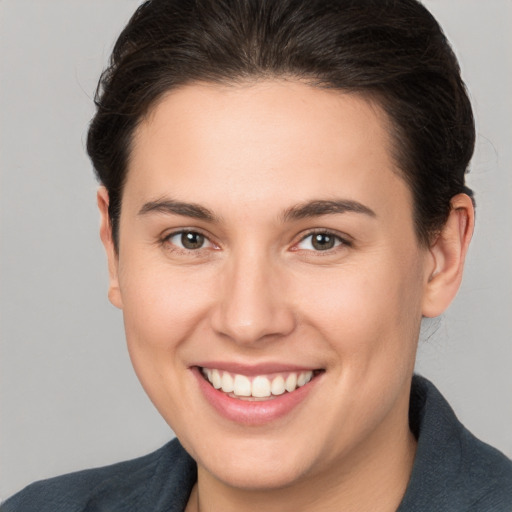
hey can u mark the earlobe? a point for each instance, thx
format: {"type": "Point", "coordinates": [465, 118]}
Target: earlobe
{"type": "Point", "coordinates": [448, 253]}
{"type": "Point", "coordinates": [114, 293]}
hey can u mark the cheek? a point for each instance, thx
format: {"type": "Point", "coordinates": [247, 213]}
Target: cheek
{"type": "Point", "coordinates": [367, 310]}
{"type": "Point", "coordinates": [162, 305]}
{"type": "Point", "coordinates": [162, 309]}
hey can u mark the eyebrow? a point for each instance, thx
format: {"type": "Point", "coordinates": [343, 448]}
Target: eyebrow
{"type": "Point", "coordinates": [172, 207]}
{"type": "Point", "coordinates": [317, 208]}
{"type": "Point", "coordinates": [314, 208]}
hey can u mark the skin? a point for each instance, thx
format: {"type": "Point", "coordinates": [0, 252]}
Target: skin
{"type": "Point", "coordinates": [259, 291]}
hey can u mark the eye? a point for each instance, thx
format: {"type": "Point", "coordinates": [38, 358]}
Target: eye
{"type": "Point", "coordinates": [320, 241]}
{"type": "Point", "coordinates": [189, 240]}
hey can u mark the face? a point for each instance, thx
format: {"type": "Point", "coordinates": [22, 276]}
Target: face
{"type": "Point", "coordinates": [270, 278]}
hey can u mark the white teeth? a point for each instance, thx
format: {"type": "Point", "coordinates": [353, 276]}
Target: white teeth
{"type": "Point", "coordinates": [215, 379]}
{"type": "Point", "coordinates": [242, 386]}
{"type": "Point", "coordinates": [260, 386]}
{"type": "Point", "coordinates": [277, 387]}
{"type": "Point", "coordinates": [227, 383]}
{"type": "Point", "coordinates": [304, 378]}
{"type": "Point", "coordinates": [291, 382]}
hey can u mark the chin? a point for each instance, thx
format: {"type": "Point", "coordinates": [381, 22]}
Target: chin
{"type": "Point", "coordinates": [255, 464]}
{"type": "Point", "coordinates": [257, 475]}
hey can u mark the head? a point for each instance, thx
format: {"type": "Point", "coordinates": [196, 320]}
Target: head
{"type": "Point", "coordinates": [283, 197]}
{"type": "Point", "coordinates": [394, 53]}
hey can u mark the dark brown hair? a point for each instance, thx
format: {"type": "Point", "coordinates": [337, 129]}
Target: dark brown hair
{"type": "Point", "coordinates": [393, 51]}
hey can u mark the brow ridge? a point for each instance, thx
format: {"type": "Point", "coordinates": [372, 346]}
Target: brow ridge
{"type": "Point", "coordinates": [319, 207]}
{"type": "Point", "coordinates": [314, 208]}
{"type": "Point", "coordinates": [173, 207]}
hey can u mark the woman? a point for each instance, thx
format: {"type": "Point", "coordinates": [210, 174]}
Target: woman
{"type": "Point", "coordinates": [282, 202]}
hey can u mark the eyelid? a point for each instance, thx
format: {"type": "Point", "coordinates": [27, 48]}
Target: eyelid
{"type": "Point", "coordinates": [166, 237]}
{"type": "Point", "coordinates": [346, 241]}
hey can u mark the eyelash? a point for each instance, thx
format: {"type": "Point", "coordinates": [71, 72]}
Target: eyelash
{"type": "Point", "coordinates": [340, 241]}
{"type": "Point", "coordinates": [166, 241]}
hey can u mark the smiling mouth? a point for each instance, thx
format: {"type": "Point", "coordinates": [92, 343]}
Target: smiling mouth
{"type": "Point", "coordinates": [257, 387]}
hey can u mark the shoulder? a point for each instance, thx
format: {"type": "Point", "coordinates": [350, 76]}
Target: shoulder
{"type": "Point", "coordinates": [487, 472]}
{"type": "Point", "coordinates": [125, 486]}
{"type": "Point", "coordinates": [453, 470]}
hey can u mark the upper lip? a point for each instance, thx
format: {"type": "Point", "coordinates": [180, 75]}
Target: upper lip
{"type": "Point", "coordinates": [255, 369]}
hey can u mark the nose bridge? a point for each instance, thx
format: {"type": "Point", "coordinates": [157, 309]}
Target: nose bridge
{"type": "Point", "coordinates": [252, 305]}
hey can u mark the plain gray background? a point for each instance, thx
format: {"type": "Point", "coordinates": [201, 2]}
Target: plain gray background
{"type": "Point", "coordinates": [69, 398]}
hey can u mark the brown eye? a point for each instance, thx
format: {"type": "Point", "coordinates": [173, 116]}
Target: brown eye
{"type": "Point", "coordinates": [320, 241]}
{"type": "Point", "coordinates": [187, 241]}
{"type": "Point", "coordinates": [323, 241]}
{"type": "Point", "coordinates": [191, 240]}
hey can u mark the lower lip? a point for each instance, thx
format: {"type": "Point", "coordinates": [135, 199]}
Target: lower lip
{"type": "Point", "coordinates": [248, 412]}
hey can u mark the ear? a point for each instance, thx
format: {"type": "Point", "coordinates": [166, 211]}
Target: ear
{"type": "Point", "coordinates": [114, 293]}
{"type": "Point", "coordinates": [448, 253]}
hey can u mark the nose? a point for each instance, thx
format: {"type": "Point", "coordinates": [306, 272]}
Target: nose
{"type": "Point", "coordinates": [252, 306]}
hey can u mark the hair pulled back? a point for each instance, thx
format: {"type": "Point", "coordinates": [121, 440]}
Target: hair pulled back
{"type": "Point", "coordinates": [393, 51]}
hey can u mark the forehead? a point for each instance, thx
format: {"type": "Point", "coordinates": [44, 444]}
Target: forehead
{"type": "Point", "coordinates": [280, 140]}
